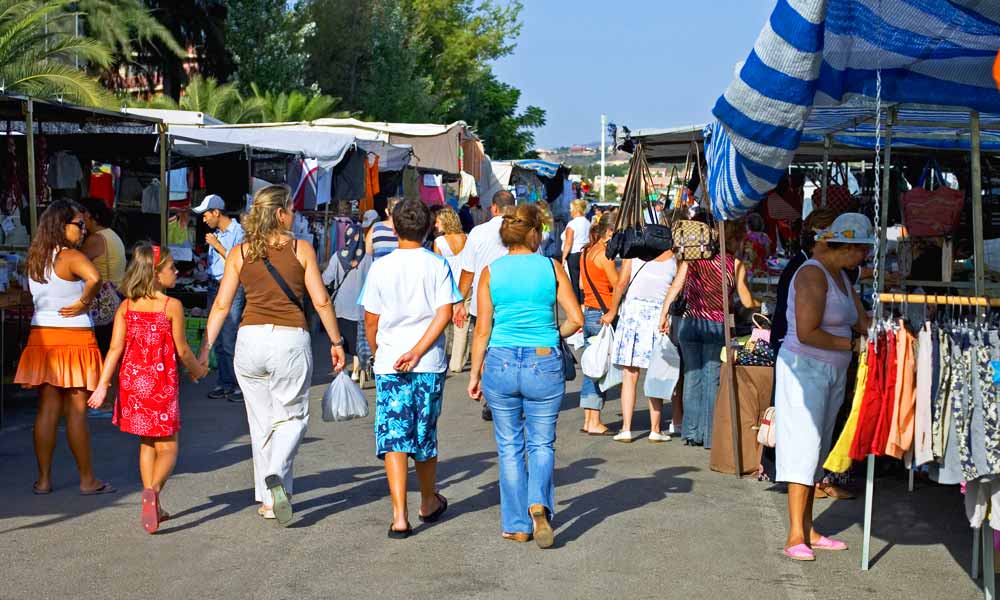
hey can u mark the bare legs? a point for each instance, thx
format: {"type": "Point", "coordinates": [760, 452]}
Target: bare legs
{"type": "Point", "coordinates": [630, 385]}
{"type": "Point", "coordinates": [396, 470]}
{"type": "Point", "coordinates": [592, 421]}
{"type": "Point", "coordinates": [157, 458]}
{"type": "Point", "coordinates": [800, 515]}
{"type": "Point", "coordinates": [53, 403]}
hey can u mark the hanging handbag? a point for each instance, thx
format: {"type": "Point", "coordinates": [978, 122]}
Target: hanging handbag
{"type": "Point", "coordinates": [838, 195]}
{"type": "Point", "coordinates": [637, 236]}
{"type": "Point", "coordinates": [932, 212]}
{"type": "Point", "coordinates": [694, 240]}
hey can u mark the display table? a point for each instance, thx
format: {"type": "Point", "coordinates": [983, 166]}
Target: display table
{"type": "Point", "coordinates": [753, 396]}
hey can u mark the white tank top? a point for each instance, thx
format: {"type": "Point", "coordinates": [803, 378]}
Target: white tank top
{"type": "Point", "coordinates": [52, 296]}
{"type": "Point", "coordinates": [442, 245]}
{"type": "Point", "coordinates": [651, 280]}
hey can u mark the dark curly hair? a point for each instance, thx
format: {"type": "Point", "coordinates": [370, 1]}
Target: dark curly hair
{"type": "Point", "coordinates": [51, 234]}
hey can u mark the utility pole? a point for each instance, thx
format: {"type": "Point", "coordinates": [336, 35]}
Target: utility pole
{"type": "Point", "coordinates": [604, 133]}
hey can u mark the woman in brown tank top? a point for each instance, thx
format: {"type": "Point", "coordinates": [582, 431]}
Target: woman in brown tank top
{"type": "Point", "coordinates": [273, 357]}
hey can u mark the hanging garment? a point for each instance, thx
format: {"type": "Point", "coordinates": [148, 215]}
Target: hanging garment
{"type": "Point", "coordinates": [64, 171]}
{"type": "Point", "coordinates": [941, 417]}
{"type": "Point", "coordinates": [922, 452]}
{"type": "Point", "coordinates": [102, 186]}
{"type": "Point", "coordinates": [989, 369]}
{"type": "Point", "coordinates": [151, 198]}
{"type": "Point", "coordinates": [349, 177]}
{"type": "Point", "coordinates": [42, 192]}
{"type": "Point", "coordinates": [904, 402]}
{"type": "Point", "coordinates": [372, 187]}
{"type": "Point", "coordinates": [839, 459]}
{"type": "Point", "coordinates": [871, 400]}
{"type": "Point", "coordinates": [432, 190]}
{"type": "Point", "coordinates": [178, 180]}
{"type": "Point", "coordinates": [963, 402]}
{"type": "Point", "coordinates": [411, 184]}
{"type": "Point", "coordinates": [887, 398]}
{"type": "Point", "coordinates": [982, 498]}
{"type": "Point", "coordinates": [467, 188]}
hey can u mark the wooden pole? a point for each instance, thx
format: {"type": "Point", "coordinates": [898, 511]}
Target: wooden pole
{"type": "Point", "coordinates": [977, 203]}
{"type": "Point", "coordinates": [29, 140]}
{"type": "Point", "coordinates": [164, 181]}
{"type": "Point", "coordinates": [826, 170]}
{"type": "Point", "coordinates": [734, 409]}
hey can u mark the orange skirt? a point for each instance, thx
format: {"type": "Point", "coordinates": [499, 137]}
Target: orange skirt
{"type": "Point", "coordinates": [61, 357]}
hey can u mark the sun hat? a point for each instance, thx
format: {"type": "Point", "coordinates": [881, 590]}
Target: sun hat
{"type": "Point", "coordinates": [848, 228]}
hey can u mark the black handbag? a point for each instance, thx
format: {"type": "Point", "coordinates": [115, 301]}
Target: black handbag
{"type": "Point", "coordinates": [634, 237]}
{"type": "Point", "coordinates": [568, 360]}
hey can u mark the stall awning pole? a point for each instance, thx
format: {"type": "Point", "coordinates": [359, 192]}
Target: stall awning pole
{"type": "Point", "coordinates": [977, 204]}
{"type": "Point", "coordinates": [164, 182]}
{"type": "Point", "coordinates": [826, 170]}
{"type": "Point", "coordinates": [29, 141]}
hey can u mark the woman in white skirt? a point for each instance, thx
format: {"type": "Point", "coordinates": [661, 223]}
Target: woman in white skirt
{"type": "Point", "coordinates": [638, 300]}
{"type": "Point", "coordinates": [811, 371]}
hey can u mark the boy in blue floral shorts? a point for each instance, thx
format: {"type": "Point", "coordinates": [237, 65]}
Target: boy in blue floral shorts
{"type": "Point", "coordinates": [408, 301]}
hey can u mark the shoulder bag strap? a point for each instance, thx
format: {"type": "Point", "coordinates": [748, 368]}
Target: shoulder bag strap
{"type": "Point", "coordinates": [336, 290]}
{"type": "Point", "coordinates": [282, 283]}
{"type": "Point", "coordinates": [586, 273]}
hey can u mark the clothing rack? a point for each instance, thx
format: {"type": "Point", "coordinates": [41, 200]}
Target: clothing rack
{"type": "Point", "coordinates": [933, 299]}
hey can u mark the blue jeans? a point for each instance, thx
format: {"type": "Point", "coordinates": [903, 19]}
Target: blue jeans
{"type": "Point", "coordinates": [524, 390]}
{"type": "Point", "coordinates": [701, 343]}
{"type": "Point", "coordinates": [226, 345]}
{"type": "Point", "coordinates": [590, 395]}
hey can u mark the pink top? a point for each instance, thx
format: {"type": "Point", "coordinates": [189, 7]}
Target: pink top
{"type": "Point", "coordinates": [703, 288]}
{"type": "Point", "coordinates": [839, 316]}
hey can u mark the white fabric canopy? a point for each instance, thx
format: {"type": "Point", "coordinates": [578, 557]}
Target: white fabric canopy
{"type": "Point", "coordinates": [327, 147]}
{"type": "Point", "coordinates": [175, 117]}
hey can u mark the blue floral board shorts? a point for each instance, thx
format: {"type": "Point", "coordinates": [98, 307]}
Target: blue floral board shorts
{"type": "Point", "coordinates": [407, 407]}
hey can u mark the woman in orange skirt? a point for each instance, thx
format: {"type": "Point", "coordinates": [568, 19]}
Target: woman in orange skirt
{"type": "Point", "coordinates": [61, 358]}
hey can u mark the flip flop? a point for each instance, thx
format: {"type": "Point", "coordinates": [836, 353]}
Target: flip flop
{"type": "Point", "coordinates": [39, 491]}
{"type": "Point", "coordinates": [150, 510]}
{"type": "Point", "coordinates": [434, 516]}
{"type": "Point", "coordinates": [282, 506]}
{"type": "Point", "coordinates": [400, 535]}
{"type": "Point", "coordinates": [105, 488]}
{"type": "Point", "coordinates": [605, 433]}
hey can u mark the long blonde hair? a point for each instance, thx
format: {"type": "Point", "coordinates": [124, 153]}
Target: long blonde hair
{"type": "Point", "coordinates": [261, 224]}
{"type": "Point", "coordinates": [140, 277]}
{"type": "Point", "coordinates": [450, 222]}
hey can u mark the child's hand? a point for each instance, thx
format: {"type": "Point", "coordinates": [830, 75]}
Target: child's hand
{"type": "Point", "coordinates": [407, 362]}
{"type": "Point", "coordinates": [98, 397]}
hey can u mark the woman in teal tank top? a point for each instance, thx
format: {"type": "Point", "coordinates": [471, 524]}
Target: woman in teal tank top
{"type": "Point", "coordinates": [517, 366]}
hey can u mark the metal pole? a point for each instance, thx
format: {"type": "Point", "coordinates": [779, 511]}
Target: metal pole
{"type": "Point", "coordinates": [29, 140]}
{"type": "Point", "coordinates": [604, 133]}
{"type": "Point", "coordinates": [884, 200]}
{"type": "Point", "coordinates": [989, 570]}
{"type": "Point", "coordinates": [164, 181]}
{"type": "Point", "coordinates": [734, 409]}
{"type": "Point", "coordinates": [869, 499]}
{"type": "Point", "coordinates": [826, 170]}
{"type": "Point", "coordinates": [977, 203]}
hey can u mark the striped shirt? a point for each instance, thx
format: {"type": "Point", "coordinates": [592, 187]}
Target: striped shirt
{"type": "Point", "coordinates": [703, 288]}
{"type": "Point", "coordinates": [384, 240]}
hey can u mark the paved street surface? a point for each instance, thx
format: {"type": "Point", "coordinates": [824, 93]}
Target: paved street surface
{"type": "Point", "coordinates": [641, 520]}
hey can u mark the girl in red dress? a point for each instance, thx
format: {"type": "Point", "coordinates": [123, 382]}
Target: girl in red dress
{"type": "Point", "coordinates": [148, 337]}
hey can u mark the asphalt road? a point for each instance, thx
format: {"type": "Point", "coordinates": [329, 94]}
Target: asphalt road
{"type": "Point", "coordinates": [641, 520]}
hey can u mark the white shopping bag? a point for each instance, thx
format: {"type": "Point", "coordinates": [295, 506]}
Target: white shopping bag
{"type": "Point", "coordinates": [344, 400]}
{"type": "Point", "coordinates": [664, 369]}
{"type": "Point", "coordinates": [613, 378]}
{"type": "Point", "coordinates": [576, 340]}
{"type": "Point", "coordinates": [597, 357]}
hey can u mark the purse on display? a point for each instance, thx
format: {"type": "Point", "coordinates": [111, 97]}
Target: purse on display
{"type": "Point", "coordinates": [932, 212]}
{"type": "Point", "coordinates": [694, 240]}
{"type": "Point", "coordinates": [636, 235]}
{"type": "Point", "coordinates": [838, 195]}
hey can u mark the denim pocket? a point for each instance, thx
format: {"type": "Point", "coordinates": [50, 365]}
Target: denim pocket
{"type": "Point", "coordinates": [550, 363]}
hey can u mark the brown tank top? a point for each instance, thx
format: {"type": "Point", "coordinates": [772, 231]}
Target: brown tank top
{"type": "Point", "coordinates": [266, 303]}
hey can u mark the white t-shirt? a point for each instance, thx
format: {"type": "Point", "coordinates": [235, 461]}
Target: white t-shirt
{"type": "Point", "coordinates": [406, 288]}
{"type": "Point", "coordinates": [581, 234]}
{"type": "Point", "coordinates": [482, 248]}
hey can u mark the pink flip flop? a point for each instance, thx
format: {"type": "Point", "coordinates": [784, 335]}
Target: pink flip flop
{"type": "Point", "coordinates": [800, 552]}
{"type": "Point", "coordinates": [825, 543]}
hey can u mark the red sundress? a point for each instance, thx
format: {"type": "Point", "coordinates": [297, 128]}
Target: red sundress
{"type": "Point", "coordinates": [147, 398]}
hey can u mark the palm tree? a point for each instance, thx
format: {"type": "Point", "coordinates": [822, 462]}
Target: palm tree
{"type": "Point", "coordinates": [205, 94]}
{"type": "Point", "coordinates": [38, 50]}
{"type": "Point", "coordinates": [295, 106]}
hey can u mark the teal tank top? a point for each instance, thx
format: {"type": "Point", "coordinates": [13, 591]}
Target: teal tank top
{"type": "Point", "coordinates": [523, 289]}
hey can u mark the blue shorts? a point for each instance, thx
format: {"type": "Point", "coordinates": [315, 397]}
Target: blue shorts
{"type": "Point", "coordinates": [407, 407]}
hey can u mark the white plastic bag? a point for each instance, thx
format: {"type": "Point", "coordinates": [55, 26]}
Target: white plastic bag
{"type": "Point", "coordinates": [611, 379]}
{"type": "Point", "coordinates": [344, 400]}
{"type": "Point", "coordinates": [576, 340]}
{"type": "Point", "coordinates": [597, 357]}
{"type": "Point", "coordinates": [664, 369]}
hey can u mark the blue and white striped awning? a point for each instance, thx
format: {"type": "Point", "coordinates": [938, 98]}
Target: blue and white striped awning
{"type": "Point", "coordinates": [542, 167]}
{"type": "Point", "coordinates": [827, 53]}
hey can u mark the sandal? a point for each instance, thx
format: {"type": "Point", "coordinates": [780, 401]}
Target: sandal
{"type": "Point", "coordinates": [395, 534]}
{"type": "Point", "coordinates": [605, 433]}
{"type": "Point", "coordinates": [265, 511]}
{"type": "Point", "coordinates": [434, 516]}
{"type": "Point", "coordinates": [40, 491]}
{"type": "Point", "coordinates": [150, 510]}
{"type": "Point", "coordinates": [543, 534]}
{"type": "Point", "coordinates": [282, 505]}
{"type": "Point", "coordinates": [517, 537]}
{"type": "Point", "coordinates": [836, 492]}
{"type": "Point", "coordinates": [105, 488]}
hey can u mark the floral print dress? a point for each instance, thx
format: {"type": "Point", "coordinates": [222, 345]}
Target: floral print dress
{"type": "Point", "coordinates": [147, 402]}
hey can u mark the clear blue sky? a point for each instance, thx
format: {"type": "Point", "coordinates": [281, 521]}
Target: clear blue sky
{"type": "Point", "coordinates": [645, 63]}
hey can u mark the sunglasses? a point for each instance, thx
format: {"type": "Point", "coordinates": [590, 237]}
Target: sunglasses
{"type": "Point", "coordinates": [81, 224]}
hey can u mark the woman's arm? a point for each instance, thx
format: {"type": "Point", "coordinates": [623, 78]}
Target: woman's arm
{"type": "Point", "coordinates": [321, 302]}
{"type": "Point", "coordinates": [568, 234]}
{"type": "Point", "coordinates": [175, 311]}
{"type": "Point", "coordinates": [675, 290]}
{"type": "Point", "coordinates": [223, 301]}
{"type": "Point", "coordinates": [481, 334]}
{"type": "Point", "coordinates": [620, 285]}
{"type": "Point", "coordinates": [743, 288]}
{"type": "Point", "coordinates": [810, 304]}
{"type": "Point", "coordinates": [115, 351]}
{"type": "Point", "coordinates": [369, 245]}
{"type": "Point", "coordinates": [94, 246]}
{"type": "Point", "coordinates": [566, 298]}
{"type": "Point", "coordinates": [81, 268]}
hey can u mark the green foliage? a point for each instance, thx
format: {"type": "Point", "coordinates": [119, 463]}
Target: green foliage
{"type": "Point", "coordinates": [294, 106]}
{"type": "Point", "coordinates": [268, 45]}
{"type": "Point", "coordinates": [38, 51]}
{"type": "Point", "coordinates": [123, 24]}
{"type": "Point", "coordinates": [492, 109]}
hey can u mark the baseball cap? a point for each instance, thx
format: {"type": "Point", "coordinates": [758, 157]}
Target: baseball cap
{"type": "Point", "coordinates": [848, 228]}
{"type": "Point", "coordinates": [211, 202]}
{"type": "Point", "coordinates": [368, 219]}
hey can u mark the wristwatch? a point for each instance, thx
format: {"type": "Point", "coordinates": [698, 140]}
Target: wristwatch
{"type": "Point", "coordinates": [338, 344]}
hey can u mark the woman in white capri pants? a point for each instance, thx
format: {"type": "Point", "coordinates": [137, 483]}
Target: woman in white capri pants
{"type": "Point", "coordinates": [273, 357]}
{"type": "Point", "coordinates": [811, 371]}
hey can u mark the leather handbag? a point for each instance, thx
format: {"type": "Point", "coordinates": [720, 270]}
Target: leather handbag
{"type": "Point", "coordinates": [838, 195]}
{"type": "Point", "coordinates": [766, 431]}
{"type": "Point", "coordinates": [694, 240]}
{"type": "Point", "coordinates": [568, 360]}
{"type": "Point", "coordinates": [638, 232]}
{"type": "Point", "coordinates": [932, 212]}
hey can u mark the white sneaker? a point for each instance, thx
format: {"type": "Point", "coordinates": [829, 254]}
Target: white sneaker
{"type": "Point", "coordinates": [625, 437]}
{"type": "Point", "coordinates": [657, 437]}
{"type": "Point", "coordinates": [672, 430]}
{"type": "Point", "coordinates": [354, 376]}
